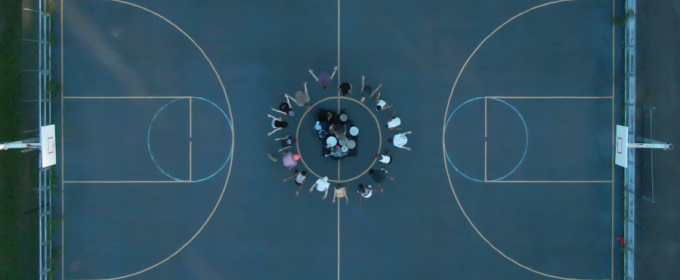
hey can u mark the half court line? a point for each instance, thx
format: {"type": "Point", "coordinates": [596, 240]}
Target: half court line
{"type": "Point", "coordinates": [486, 142]}
{"type": "Point", "coordinates": [191, 140]}
{"type": "Point", "coordinates": [339, 81]}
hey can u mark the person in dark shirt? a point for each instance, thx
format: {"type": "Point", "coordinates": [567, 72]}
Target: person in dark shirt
{"type": "Point", "coordinates": [285, 108]}
{"type": "Point", "coordinates": [277, 124]}
{"type": "Point", "coordinates": [345, 88]}
{"type": "Point", "coordinates": [287, 142]}
{"type": "Point", "coordinates": [379, 176]}
{"type": "Point", "coordinates": [366, 90]}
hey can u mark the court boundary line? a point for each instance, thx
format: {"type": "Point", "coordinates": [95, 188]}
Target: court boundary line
{"type": "Point", "coordinates": [63, 167]}
{"type": "Point", "coordinates": [613, 128]}
{"type": "Point", "coordinates": [444, 139]}
{"type": "Point", "coordinates": [233, 136]}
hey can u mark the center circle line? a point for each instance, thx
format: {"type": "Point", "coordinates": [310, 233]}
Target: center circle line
{"type": "Point", "coordinates": [297, 136]}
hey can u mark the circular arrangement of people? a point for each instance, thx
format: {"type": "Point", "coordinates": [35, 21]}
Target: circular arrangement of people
{"type": "Point", "coordinates": [337, 134]}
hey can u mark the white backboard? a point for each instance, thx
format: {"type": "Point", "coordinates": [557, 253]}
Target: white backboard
{"type": "Point", "coordinates": [48, 146]}
{"type": "Point", "coordinates": [621, 158]}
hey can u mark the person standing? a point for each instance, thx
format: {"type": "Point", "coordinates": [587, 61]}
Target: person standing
{"type": "Point", "coordinates": [400, 140]}
{"type": "Point", "coordinates": [300, 180]}
{"type": "Point", "coordinates": [393, 122]}
{"type": "Point", "coordinates": [345, 89]}
{"type": "Point", "coordinates": [366, 90]}
{"type": "Point", "coordinates": [290, 160]}
{"type": "Point", "coordinates": [385, 158]}
{"type": "Point", "coordinates": [381, 104]}
{"type": "Point", "coordinates": [301, 98]}
{"type": "Point", "coordinates": [277, 124]}
{"type": "Point", "coordinates": [340, 192]}
{"type": "Point", "coordinates": [324, 79]}
{"type": "Point", "coordinates": [364, 192]}
{"type": "Point", "coordinates": [321, 185]}
{"type": "Point", "coordinates": [287, 142]}
{"type": "Point", "coordinates": [379, 176]}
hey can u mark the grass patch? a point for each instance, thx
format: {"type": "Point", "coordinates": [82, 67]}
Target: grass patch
{"type": "Point", "coordinates": [18, 224]}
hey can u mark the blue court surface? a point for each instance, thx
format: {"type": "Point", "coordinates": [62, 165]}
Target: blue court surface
{"type": "Point", "coordinates": [512, 104]}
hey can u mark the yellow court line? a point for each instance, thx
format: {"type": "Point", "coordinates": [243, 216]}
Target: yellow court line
{"type": "Point", "coordinates": [123, 182]}
{"type": "Point", "coordinates": [191, 132]}
{"type": "Point", "coordinates": [126, 97]}
{"type": "Point", "coordinates": [448, 175]}
{"type": "Point", "coordinates": [613, 124]}
{"type": "Point", "coordinates": [233, 142]}
{"type": "Point", "coordinates": [550, 97]}
{"type": "Point", "coordinates": [63, 167]}
{"type": "Point", "coordinates": [339, 202]}
{"type": "Point", "coordinates": [547, 182]}
{"type": "Point", "coordinates": [486, 143]}
{"type": "Point", "coordinates": [297, 136]}
{"type": "Point", "coordinates": [191, 116]}
{"type": "Point", "coordinates": [380, 146]}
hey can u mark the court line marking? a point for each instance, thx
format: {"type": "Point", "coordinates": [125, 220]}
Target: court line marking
{"type": "Point", "coordinates": [148, 139]}
{"type": "Point", "coordinates": [613, 124]}
{"type": "Point", "coordinates": [191, 140]}
{"type": "Point", "coordinates": [486, 143]}
{"type": "Point", "coordinates": [444, 140]}
{"type": "Point", "coordinates": [339, 69]}
{"type": "Point", "coordinates": [548, 182]}
{"type": "Point", "coordinates": [126, 97]}
{"type": "Point", "coordinates": [297, 136]}
{"type": "Point", "coordinates": [124, 182]}
{"type": "Point", "coordinates": [219, 200]}
{"type": "Point", "coordinates": [551, 97]}
{"type": "Point", "coordinates": [63, 186]}
{"type": "Point", "coordinates": [339, 202]}
{"type": "Point", "coordinates": [526, 140]}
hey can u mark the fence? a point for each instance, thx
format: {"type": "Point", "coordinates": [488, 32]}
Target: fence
{"type": "Point", "coordinates": [36, 92]}
{"type": "Point", "coordinates": [629, 182]}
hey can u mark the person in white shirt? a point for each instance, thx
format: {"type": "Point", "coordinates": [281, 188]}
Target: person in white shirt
{"type": "Point", "coordinates": [321, 185]}
{"type": "Point", "coordinates": [300, 180]}
{"type": "Point", "coordinates": [393, 123]}
{"type": "Point", "coordinates": [385, 158]}
{"type": "Point", "coordinates": [364, 192]}
{"type": "Point", "coordinates": [399, 140]}
{"type": "Point", "coordinates": [381, 104]}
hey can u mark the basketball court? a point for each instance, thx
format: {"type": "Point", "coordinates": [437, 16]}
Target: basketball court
{"type": "Point", "coordinates": [163, 140]}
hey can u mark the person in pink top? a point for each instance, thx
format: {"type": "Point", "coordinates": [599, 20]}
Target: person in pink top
{"type": "Point", "coordinates": [290, 160]}
{"type": "Point", "coordinates": [324, 79]}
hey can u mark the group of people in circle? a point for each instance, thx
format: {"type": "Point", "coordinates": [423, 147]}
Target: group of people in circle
{"type": "Point", "coordinates": [302, 99]}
